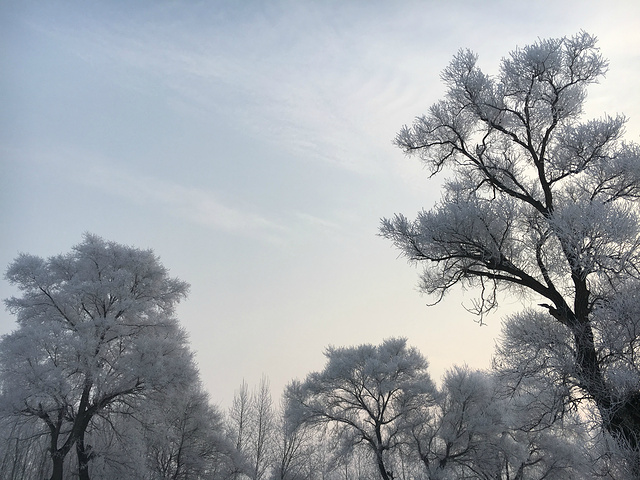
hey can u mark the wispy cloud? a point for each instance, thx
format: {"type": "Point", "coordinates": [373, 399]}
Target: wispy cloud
{"type": "Point", "coordinates": [199, 206]}
{"type": "Point", "coordinates": [322, 84]}
{"type": "Point", "coordinates": [315, 83]}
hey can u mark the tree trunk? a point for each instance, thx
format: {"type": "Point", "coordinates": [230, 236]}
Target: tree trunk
{"type": "Point", "coordinates": [58, 466]}
{"type": "Point", "coordinates": [624, 426]}
{"type": "Point", "coordinates": [74, 436]}
{"type": "Point", "coordinates": [620, 416]}
{"type": "Point", "coordinates": [57, 454]}
{"type": "Point", "coordinates": [624, 421]}
{"type": "Point", "coordinates": [383, 471]}
{"type": "Point", "coordinates": [84, 455]}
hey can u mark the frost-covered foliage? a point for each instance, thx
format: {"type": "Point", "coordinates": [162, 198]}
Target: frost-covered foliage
{"type": "Point", "coordinates": [23, 449]}
{"type": "Point", "coordinates": [184, 437]}
{"type": "Point", "coordinates": [538, 201]}
{"type": "Point", "coordinates": [475, 430]}
{"type": "Point", "coordinates": [617, 329]}
{"type": "Point", "coordinates": [96, 339]}
{"type": "Point", "coordinates": [537, 354]}
{"type": "Point", "coordinates": [379, 424]}
{"type": "Point", "coordinates": [293, 448]}
{"type": "Point", "coordinates": [363, 394]}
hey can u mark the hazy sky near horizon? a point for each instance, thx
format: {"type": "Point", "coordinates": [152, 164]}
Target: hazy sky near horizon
{"type": "Point", "coordinates": [249, 144]}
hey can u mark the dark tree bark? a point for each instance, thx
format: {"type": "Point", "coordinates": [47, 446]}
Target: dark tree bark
{"type": "Point", "coordinates": [84, 455]}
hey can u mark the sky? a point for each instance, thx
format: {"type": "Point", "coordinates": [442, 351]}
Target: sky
{"type": "Point", "coordinates": [249, 144]}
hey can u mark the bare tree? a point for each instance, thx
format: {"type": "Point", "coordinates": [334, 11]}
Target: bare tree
{"type": "Point", "coordinates": [251, 427]}
{"type": "Point", "coordinates": [239, 416]}
{"type": "Point", "coordinates": [294, 448]}
{"type": "Point", "coordinates": [263, 425]}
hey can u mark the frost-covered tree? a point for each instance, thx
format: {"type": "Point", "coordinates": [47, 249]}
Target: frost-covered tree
{"type": "Point", "coordinates": [239, 418]}
{"type": "Point", "coordinates": [240, 429]}
{"type": "Point", "coordinates": [535, 362]}
{"type": "Point", "coordinates": [462, 425]}
{"type": "Point", "coordinates": [363, 394]}
{"type": "Point", "coordinates": [96, 333]}
{"type": "Point", "coordinates": [539, 201]}
{"type": "Point", "coordinates": [263, 430]}
{"type": "Point", "coordinates": [184, 436]}
{"type": "Point", "coordinates": [23, 449]}
{"type": "Point", "coordinates": [474, 430]}
{"type": "Point", "coordinates": [293, 448]}
{"type": "Point", "coordinates": [251, 427]}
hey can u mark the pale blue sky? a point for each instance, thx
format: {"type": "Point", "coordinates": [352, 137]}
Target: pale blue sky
{"type": "Point", "coordinates": [249, 144]}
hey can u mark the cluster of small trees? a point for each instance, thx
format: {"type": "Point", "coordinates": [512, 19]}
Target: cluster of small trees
{"type": "Point", "coordinates": [98, 379]}
{"type": "Point", "coordinates": [380, 403]}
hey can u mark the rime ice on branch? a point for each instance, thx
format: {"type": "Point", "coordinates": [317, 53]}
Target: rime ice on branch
{"type": "Point", "coordinates": [538, 201]}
